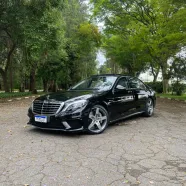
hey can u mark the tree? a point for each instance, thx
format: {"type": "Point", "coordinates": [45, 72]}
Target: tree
{"type": "Point", "coordinates": [82, 41]}
{"type": "Point", "coordinates": [31, 27]}
{"type": "Point", "coordinates": [159, 27]}
{"type": "Point", "coordinates": [10, 13]}
{"type": "Point", "coordinates": [178, 68]}
{"type": "Point", "coordinates": [43, 36]}
{"type": "Point", "coordinates": [51, 40]}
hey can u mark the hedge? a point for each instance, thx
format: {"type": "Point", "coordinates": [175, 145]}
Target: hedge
{"type": "Point", "coordinates": [157, 86]}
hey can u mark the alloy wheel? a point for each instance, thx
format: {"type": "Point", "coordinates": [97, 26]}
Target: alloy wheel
{"type": "Point", "coordinates": [150, 107]}
{"type": "Point", "coordinates": [98, 119]}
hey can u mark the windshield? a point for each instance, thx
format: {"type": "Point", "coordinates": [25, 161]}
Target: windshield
{"type": "Point", "coordinates": [96, 83]}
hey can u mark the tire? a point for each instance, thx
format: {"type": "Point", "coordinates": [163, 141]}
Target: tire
{"type": "Point", "coordinates": [98, 120]}
{"type": "Point", "coordinates": [149, 108]}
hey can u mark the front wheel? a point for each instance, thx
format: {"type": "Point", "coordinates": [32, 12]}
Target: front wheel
{"type": "Point", "coordinates": [149, 109]}
{"type": "Point", "coordinates": [98, 120]}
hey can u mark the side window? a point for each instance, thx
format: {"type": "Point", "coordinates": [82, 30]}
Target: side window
{"type": "Point", "coordinates": [135, 83]}
{"type": "Point", "coordinates": [122, 84]}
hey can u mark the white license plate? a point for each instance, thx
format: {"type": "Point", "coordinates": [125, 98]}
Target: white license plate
{"type": "Point", "coordinates": [41, 119]}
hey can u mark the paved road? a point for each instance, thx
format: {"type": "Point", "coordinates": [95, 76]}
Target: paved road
{"type": "Point", "coordinates": [140, 151]}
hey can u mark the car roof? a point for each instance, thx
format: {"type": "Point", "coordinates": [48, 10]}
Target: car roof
{"type": "Point", "coordinates": [117, 75]}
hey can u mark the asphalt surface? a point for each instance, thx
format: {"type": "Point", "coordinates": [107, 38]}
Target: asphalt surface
{"type": "Point", "coordinates": [138, 151]}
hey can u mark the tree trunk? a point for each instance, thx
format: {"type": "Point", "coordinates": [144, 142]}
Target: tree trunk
{"type": "Point", "coordinates": [165, 85]}
{"type": "Point", "coordinates": [165, 80]}
{"type": "Point", "coordinates": [45, 85]}
{"type": "Point", "coordinates": [54, 86]}
{"type": "Point", "coordinates": [155, 73]}
{"type": "Point", "coordinates": [155, 76]}
{"type": "Point", "coordinates": [22, 87]}
{"type": "Point", "coordinates": [4, 72]}
{"type": "Point", "coordinates": [9, 64]}
{"type": "Point", "coordinates": [32, 81]}
{"type": "Point", "coordinates": [5, 81]}
{"type": "Point", "coordinates": [11, 76]}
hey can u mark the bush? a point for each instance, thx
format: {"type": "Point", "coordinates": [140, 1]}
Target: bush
{"type": "Point", "coordinates": [17, 94]}
{"type": "Point", "coordinates": [157, 86]}
{"type": "Point", "coordinates": [14, 94]}
{"type": "Point", "coordinates": [178, 88]}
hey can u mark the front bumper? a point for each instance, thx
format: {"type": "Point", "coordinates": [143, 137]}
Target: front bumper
{"type": "Point", "coordinates": [57, 129]}
{"type": "Point", "coordinates": [68, 122]}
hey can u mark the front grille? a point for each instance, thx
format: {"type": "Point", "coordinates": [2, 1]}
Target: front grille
{"type": "Point", "coordinates": [46, 107]}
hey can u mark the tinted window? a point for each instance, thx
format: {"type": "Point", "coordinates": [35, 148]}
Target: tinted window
{"type": "Point", "coordinates": [96, 83]}
{"type": "Point", "coordinates": [122, 84]}
{"type": "Point", "coordinates": [136, 84]}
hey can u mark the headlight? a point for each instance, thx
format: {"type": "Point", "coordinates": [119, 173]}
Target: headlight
{"type": "Point", "coordinates": [71, 107]}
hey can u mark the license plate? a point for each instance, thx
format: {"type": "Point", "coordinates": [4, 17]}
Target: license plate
{"type": "Point", "coordinates": [41, 119]}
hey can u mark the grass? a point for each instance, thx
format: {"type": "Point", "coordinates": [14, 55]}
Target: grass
{"type": "Point", "coordinates": [23, 94]}
{"type": "Point", "coordinates": [16, 94]}
{"type": "Point", "coordinates": [183, 97]}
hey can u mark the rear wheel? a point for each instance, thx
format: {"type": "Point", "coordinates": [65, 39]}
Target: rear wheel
{"type": "Point", "coordinates": [98, 120]}
{"type": "Point", "coordinates": [149, 110]}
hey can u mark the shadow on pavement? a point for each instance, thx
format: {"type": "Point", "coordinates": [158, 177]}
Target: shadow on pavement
{"type": "Point", "coordinates": [112, 126]}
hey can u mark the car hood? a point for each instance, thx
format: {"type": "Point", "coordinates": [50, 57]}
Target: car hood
{"type": "Point", "coordinates": [70, 96]}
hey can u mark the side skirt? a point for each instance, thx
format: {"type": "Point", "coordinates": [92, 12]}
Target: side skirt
{"type": "Point", "coordinates": [141, 112]}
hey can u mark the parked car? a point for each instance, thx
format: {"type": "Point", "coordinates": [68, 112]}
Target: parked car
{"type": "Point", "coordinates": [92, 104]}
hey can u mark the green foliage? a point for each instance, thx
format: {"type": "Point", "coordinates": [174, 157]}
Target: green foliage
{"type": "Point", "coordinates": [143, 33]}
{"type": "Point", "coordinates": [124, 52]}
{"type": "Point", "coordinates": [17, 94]}
{"type": "Point", "coordinates": [182, 97]}
{"type": "Point", "coordinates": [83, 39]}
{"type": "Point", "coordinates": [178, 88]}
{"type": "Point", "coordinates": [178, 68]}
{"type": "Point", "coordinates": [103, 69]}
{"type": "Point", "coordinates": [157, 86]}
{"type": "Point", "coordinates": [14, 94]}
{"type": "Point", "coordinates": [51, 40]}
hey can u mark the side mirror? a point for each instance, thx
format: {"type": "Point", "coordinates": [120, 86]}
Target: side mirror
{"type": "Point", "coordinates": [120, 87]}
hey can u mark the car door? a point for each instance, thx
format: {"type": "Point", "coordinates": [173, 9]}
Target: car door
{"type": "Point", "coordinates": [140, 93]}
{"type": "Point", "coordinates": [122, 101]}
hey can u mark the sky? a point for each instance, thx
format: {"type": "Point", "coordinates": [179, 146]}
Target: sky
{"type": "Point", "coordinates": [100, 58]}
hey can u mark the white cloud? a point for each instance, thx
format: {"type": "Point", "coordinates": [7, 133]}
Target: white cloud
{"type": "Point", "coordinates": [100, 58]}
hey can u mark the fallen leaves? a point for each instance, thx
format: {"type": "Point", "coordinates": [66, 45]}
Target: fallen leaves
{"type": "Point", "coordinates": [126, 181]}
{"type": "Point", "coordinates": [10, 132]}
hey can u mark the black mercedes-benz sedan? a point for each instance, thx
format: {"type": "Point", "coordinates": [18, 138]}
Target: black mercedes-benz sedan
{"type": "Point", "coordinates": [92, 104]}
